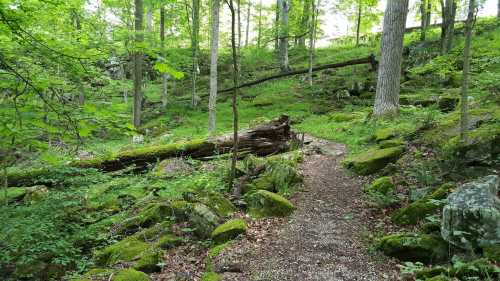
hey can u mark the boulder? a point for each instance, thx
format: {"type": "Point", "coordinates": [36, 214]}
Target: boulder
{"type": "Point", "coordinates": [374, 160]}
{"type": "Point", "coordinates": [418, 210]}
{"type": "Point", "coordinates": [471, 216]}
{"type": "Point", "coordinates": [203, 220]}
{"type": "Point", "coordinates": [149, 261]}
{"type": "Point", "coordinates": [172, 167]}
{"type": "Point", "coordinates": [12, 194]}
{"type": "Point", "coordinates": [383, 185]}
{"type": "Point", "coordinates": [131, 275]}
{"type": "Point", "coordinates": [168, 241]}
{"type": "Point", "coordinates": [391, 143]}
{"type": "Point", "coordinates": [148, 216]}
{"type": "Point", "coordinates": [216, 201]}
{"type": "Point", "coordinates": [414, 247]}
{"type": "Point", "coordinates": [229, 230]}
{"type": "Point", "coordinates": [126, 250]}
{"type": "Point", "coordinates": [384, 134]}
{"type": "Point", "coordinates": [263, 203]}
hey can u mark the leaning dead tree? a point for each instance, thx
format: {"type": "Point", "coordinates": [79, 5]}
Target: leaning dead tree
{"type": "Point", "coordinates": [268, 138]}
{"type": "Point", "coordinates": [368, 60]}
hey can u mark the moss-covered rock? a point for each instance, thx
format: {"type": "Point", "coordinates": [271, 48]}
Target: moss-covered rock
{"type": "Point", "coordinates": [180, 209]}
{"type": "Point", "coordinates": [492, 252]}
{"type": "Point", "coordinates": [131, 275]}
{"type": "Point", "coordinates": [374, 160]}
{"type": "Point", "coordinates": [127, 250]}
{"type": "Point", "coordinates": [447, 103]}
{"type": "Point", "coordinates": [391, 143]}
{"type": "Point", "coordinates": [150, 215]}
{"type": "Point", "coordinates": [384, 134]}
{"type": "Point", "coordinates": [415, 247]}
{"type": "Point", "coordinates": [264, 182]}
{"type": "Point", "coordinates": [229, 230]}
{"type": "Point", "coordinates": [383, 185]}
{"type": "Point", "coordinates": [263, 203]}
{"type": "Point", "coordinates": [172, 167]}
{"type": "Point", "coordinates": [203, 220]}
{"type": "Point", "coordinates": [210, 276]}
{"type": "Point", "coordinates": [12, 194]}
{"type": "Point", "coordinates": [149, 261]}
{"type": "Point", "coordinates": [421, 208]}
{"type": "Point", "coordinates": [216, 201]}
{"type": "Point", "coordinates": [342, 117]}
{"type": "Point", "coordinates": [168, 241]}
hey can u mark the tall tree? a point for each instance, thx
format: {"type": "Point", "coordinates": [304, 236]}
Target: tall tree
{"type": "Point", "coordinates": [312, 37]}
{"type": "Point", "coordinates": [236, 75]}
{"type": "Point", "coordinates": [498, 9]}
{"type": "Point", "coordinates": [305, 22]}
{"type": "Point", "coordinates": [214, 55]}
{"type": "Point", "coordinates": [195, 14]}
{"type": "Point", "coordinates": [138, 61]}
{"type": "Point", "coordinates": [284, 7]}
{"type": "Point", "coordinates": [259, 28]}
{"type": "Point", "coordinates": [425, 17]}
{"type": "Point", "coordinates": [247, 31]}
{"type": "Point", "coordinates": [363, 13]}
{"type": "Point", "coordinates": [389, 73]}
{"type": "Point", "coordinates": [449, 11]}
{"type": "Point", "coordinates": [164, 76]}
{"type": "Point", "coordinates": [466, 72]}
{"type": "Point", "coordinates": [277, 26]}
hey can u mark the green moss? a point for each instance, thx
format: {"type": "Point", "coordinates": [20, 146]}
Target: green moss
{"type": "Point", "coordinates": [229, 230]}
{"type": "Point", "coordinates": [264, 182]}
{"type": "Point", "coordinates": [203, 220]}
{"type": "Point", "coordinates": [181, 209]}
{"type": "Point", "coordinates": [151, 214]}
{"type": "Point", "coordinates": [165, 150]}
{"type": "Point", "coordinates": [421, 208]}
{"type": "Point", "coordinates": [374, 160]}
{"type": "Point", "coordinates": [12, 194]}
{"type": "Point", "coordinates": [149, 261]}
{"type": "Point", "coordinates": [263, 203]}
{"type": "Point", "coordinates": [217, 249]}
{"type": "Point", "coordinates": [415, 247]}
{"type": "Point", "coordinates": [492, 252]}
{"type": "Point", "coordinates": [131, 275]}
{"type": "Point", "coordinates": [210, 276]}
{"type": "Point", "coordinates": [342, 117]}
{"type": "Point", "coordinates": [384, 134]}
{"type": "Point", "coordinates": [439, 278]}
{"type": "Point", "coordinates": [169, 241]}
{"type": "Point", "coordinates": [381, 185]}
{"type": "Point", "coordinates": [429, 272]}
{"type": "Point", "coordinates": [480, 268]}
{"type": "Point", "coordinates": [391, 143]}
{"type": "Point", "coordinates": [215, 201]}
{"type": "Point", "coordinates": [123, 251]}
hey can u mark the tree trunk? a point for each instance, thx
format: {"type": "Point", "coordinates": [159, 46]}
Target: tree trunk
{"type": "Point", "coordinates": [449, 12]}
{"type": "Point", "coordinates": [305, 22]}
{"type": "Point", "coordinates": [389, 73]}
{"type": "Point", "coordinates": [238, 13]}
{"type": "Point", "coordinates": [81, 88]}
{"type": "Point", "coordinates": [498, 9]}
{"type": "Point", "coordinates": [164, 80]}
{"type": "Point", "coordinates": [235, 95]}
{"type": "Point", "coordinates": [277, 27]}
{"type": "Point", "coordinates": [466, 72]}
{"type": "Point", "coordinates": [214, 56]}
{"type": "Point", "coordinates": [312, 38]}
{"type": "Point", "coordinates": [259, 31]}
{"type": "Point", "coordinates": [5, 183]}
{"type": "Point", "coordinates": [194, 49]}
{"type": "Point", "coordinates": [138, 61]}
{"type": "Point", "coordinates": [249, 7]}
{"type": "Point", "coordinates": [283, 34]}
{"type": "Point", "coordinates": [149, 20]}
{"type": "Point", "coordinates": [423, 19]}
{"type": "Point", "coordinates": [358, 22]}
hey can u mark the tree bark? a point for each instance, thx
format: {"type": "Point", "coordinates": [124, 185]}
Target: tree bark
{"type": "Point", "coordinates": [235, 94]}
{"type": "Point", "coordinates": [358, 22]}
{"type": "Point", "coordinates": [214, 56]}
{"type": "Point", "coordinates": [305, 23]}
{"type": "Point", "coordinates": [259, 31]}
{"type": "Point", "coordinates": [249, 7]}
{"type": "Point", "coordinates": [138, 61]}
{"type": "Point", "coordinates": [466, 73]}
{"type": "Point", "coordinates": [389, 73]}
{"type": "Point", "coordinates": [283, 34]}
{"type": "Point", "coordinates": [498, 9]}
{"type": "Point", "coordinates": [149, 20]}
{"type": "Point", "coordinates": [194, 49]}
{"type": "Point", "coordinates": [424, 20]}
{"type": "Point", "coordinates": [449, 10]}
{"type": "Point", "coordinates": [164, 82]}
{"type": "Point", "coordinates": [312, 38]}
{"type": "Point", "coordinates": [277, 27]}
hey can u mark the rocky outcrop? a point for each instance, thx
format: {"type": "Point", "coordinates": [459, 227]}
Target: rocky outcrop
{"type": "Point", "coordinates": [471, 217]}
{"type": "Point", "coordinates": [415, 247]}
{"type": "Point", "coordinates": [263, 203]}
{"type": "Point", "coordinates": [374, 160]}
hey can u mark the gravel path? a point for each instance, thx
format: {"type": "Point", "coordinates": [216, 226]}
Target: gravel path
{"type": "Point", "coordinates": [322, 240]}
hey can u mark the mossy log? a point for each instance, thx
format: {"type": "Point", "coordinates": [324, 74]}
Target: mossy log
{"type": "Point", "coordinates": [268, 138]}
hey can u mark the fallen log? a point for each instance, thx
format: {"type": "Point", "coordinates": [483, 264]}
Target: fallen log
{"type": "Point", "coordinates": [368, 60]}
{"type": "Point", "coordinates": [265, 139]}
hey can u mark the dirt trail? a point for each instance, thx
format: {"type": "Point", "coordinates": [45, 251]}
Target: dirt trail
{"type": "Point", "coordinates": [322, 240]}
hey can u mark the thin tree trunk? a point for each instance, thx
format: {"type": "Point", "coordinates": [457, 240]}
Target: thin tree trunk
{"type": "Point", "coordinates": [5, 183]}
{"type": "Point", "coordinates": [358, 23]}
{"type": "Point", "coordinates": [235, 96]}
{"type": "Point", "coordinates": [449, 12]}
{"type": "Point", "coordinates": [259, 31]}
{"type": "Point", "coordinates": [249, 7]}
{"type": "Point", "coordinates": [312, 38]}
{"type": "Point", "coordinates": [194, 47]}
{"type": "Point", "coordinates": [81, 88]}
{"type": "Point", "coordinates": [149, 20]}
{"type": "Point", "coordinates": [214, 56]}
{"type": "Point", "coordinates": [466, 72]}
{"type": "Point", "coordinates": [139, 38]}
{"type": "Point", "coordinates": [423, 20]}
{"type": "Point", "coordinates": [283, 34]}
{"type": "Point", "coordinates": [498, 9]}
{"type": "Point", "coordinates": [277, 27]}
{"type": "Point", "coordinates": [305, 22]}
{"type": "Point", "coordinates": [238, 13]}
{"type": "Point", "coordinates": [164, 82]}
{"type": "Point", "coordinates": [389, 73]}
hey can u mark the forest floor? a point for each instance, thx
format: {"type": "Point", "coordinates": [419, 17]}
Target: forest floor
{"type": "Point", "coordinates": [322, 240]}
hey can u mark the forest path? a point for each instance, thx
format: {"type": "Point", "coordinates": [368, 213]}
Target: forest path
{"type": "Point", "coordinates": [322, 240]}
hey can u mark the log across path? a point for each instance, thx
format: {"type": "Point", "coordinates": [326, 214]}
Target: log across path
{"type": "Point", "coordinates": [322, 241]}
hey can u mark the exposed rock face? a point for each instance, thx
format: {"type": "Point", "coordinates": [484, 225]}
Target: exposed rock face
{"type": "Point", "coordinates": [471, 217]}
{"type": "Point", "coordinates": [263, 203]}
{"type": "Point", "coordinates": [414, 247]}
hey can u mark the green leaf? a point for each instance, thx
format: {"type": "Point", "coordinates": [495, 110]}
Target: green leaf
{"type": "Point", "coordinates": [164, 68]}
